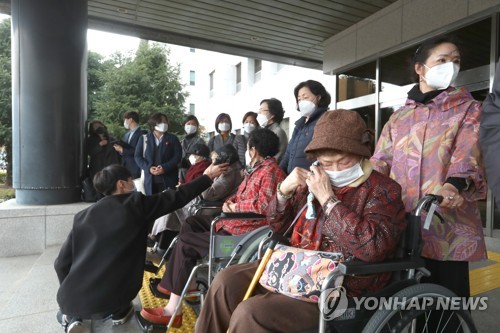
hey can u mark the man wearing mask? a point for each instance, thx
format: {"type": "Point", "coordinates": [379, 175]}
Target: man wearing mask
{"type": "Point", "coordinates": [126, 148]}
{"type": "Point", "coordinates": [312, 102]}
{"type": "Point", "coordinates": [160, 159]}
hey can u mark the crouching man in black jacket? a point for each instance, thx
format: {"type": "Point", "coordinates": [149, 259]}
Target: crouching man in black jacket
{"type": "Point", "coordinates": [101, 264]}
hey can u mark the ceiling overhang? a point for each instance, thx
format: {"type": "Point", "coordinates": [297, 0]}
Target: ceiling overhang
{"type": "Point", "coordinates": [288, 32]}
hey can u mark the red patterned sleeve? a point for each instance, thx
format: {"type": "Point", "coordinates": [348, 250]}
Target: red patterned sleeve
{"type": "Point", "coordinates": [373, 235]}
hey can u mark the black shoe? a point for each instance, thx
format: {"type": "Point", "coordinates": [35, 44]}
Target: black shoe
{"type": "Point", "coordinates": [123, 316]}
{"type": "Point", "coordinates": [70, 324]}
{"type": "Point", "coordinates": [62, 319]}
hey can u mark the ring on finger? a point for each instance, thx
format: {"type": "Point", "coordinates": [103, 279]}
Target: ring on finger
{"type": "Point", "coordinates": [450, 197]}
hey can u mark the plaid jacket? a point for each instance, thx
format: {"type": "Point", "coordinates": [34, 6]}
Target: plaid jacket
{"type": "Point", "coordinates": [253, 195]}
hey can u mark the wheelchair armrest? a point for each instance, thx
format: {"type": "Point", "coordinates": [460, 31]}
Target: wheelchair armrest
{"type": "Point", "coordinates": [241, 216]}
{"type": "Point", "coordinates": [211, 204]}
{"type": "Point", "coordinates": [392, 265]}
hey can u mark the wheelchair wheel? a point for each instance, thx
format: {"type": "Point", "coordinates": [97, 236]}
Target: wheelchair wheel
{"type": "Point", "coordinates": [423, 318]}
{"type": "Point", "coordinates": [250, 252]}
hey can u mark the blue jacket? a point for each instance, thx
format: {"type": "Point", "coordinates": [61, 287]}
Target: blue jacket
{"type": "Point", "coordinates": [128, 158]}
{"type": "Point", "coordinates": [302, 135]}
{"type": "Point", "coordinates": [170, 152]}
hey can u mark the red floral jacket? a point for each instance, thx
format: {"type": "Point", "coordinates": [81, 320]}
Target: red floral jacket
{"type": "Point", "coordinates": [366, 225]}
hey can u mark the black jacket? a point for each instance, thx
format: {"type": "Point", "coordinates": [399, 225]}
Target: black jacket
{"type": "Point", "coordinates": [128, 159]}
{"type": "Point", "coordinates": [302, 135]}
{"type": "Point", "coordinates": [101, 264]}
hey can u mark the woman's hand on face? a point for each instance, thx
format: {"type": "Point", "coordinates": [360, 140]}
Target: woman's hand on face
{"type": "Point", "coordinates": [294, 180]}
{"type": "Point", "coordinates": [319, 184]}
{"type": "Point", "coordinates": [451, 197]}
{"type": "Point", "coordinates": [214, 171]}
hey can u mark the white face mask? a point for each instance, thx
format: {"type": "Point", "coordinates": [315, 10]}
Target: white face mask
{"type": "Point", "coordinates": [248, 127]}
{"type": "Point", "coordinates": [190, 129]}
{"type": "Point", "coordinates": [125, 124]}
{"type": "Point", "coordinates": [441, 76]}
{"type": "Point", "coordinates": [345, 177]}
{"type": "Point", "coordinates": [192, 159]}
{"type": "Point", "coordinates": [224, 127]}
{"type": "Point", "coordinates": [306, 108]}
{"type": "Point", "coordinates": [163, 127]}
{"type": "Point", "coordinates": [262, 119]}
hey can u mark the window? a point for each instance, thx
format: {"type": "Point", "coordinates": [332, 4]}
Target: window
{"type": "Point", "coordinates": [192, 76]}
{"type": "Point", "coordinates": [191, 108]}
{"type": "Point", "coordinates": [212, 83]}
{"type": "Point", "coordinates": [238, 77]}
{"type": "Point", "coordinates": [257, 68]}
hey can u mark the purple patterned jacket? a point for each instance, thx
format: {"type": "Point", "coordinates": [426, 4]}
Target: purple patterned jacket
{"type": "Point", "coordinates": [420, 147]}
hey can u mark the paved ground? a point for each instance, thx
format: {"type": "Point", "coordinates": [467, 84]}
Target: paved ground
{"type": "Point", "coordinates": [28, 286]}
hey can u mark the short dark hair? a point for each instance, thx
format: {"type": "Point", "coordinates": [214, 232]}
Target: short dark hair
{"type": "Point", "coordinates": [131, 114]}
{"type": "Point", "coordinates": [250, 114]}
{"type": "Point", "coordinates": [317, 89]}
{"type": "Point", "coordinates": [189, 118]}
{"type": "Point", "coordinates": [155, 119]}
{"type": "Point", "coordinates": [265, 141]}
{"type": "Point", "coordinates": [275, 108]}
{"type": "Point", "coordinates": [218, 120]}
{"type": "Point", "coordinates": [106, 179]}
{"type": "Point", "coordinates": [424, 50]}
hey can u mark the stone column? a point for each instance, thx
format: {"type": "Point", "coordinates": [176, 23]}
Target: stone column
{"type": "Point", "coordinates": [49, 97]}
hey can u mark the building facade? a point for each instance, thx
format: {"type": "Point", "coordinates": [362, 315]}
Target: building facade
{"type": "Point", "coordinates": [234, 85]}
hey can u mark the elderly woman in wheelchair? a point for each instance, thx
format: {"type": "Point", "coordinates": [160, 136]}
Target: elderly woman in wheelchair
{"type": "Point", "coordinates": [340, 205]}
{"type": "Point", "coordinates": [253, 195]}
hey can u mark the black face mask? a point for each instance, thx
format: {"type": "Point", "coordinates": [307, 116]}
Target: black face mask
{"type": "Point", "coordinates": [100, 131]}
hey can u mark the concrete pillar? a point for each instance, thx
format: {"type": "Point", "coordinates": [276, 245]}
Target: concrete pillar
{"type": "Point", "coordinates": [49, 88]}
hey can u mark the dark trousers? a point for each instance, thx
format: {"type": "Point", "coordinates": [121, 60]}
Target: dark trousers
{"type": "Point", "coordinates": [265, 311]}
{"type": "Point", "coordinates": [453, 275]}
{"type": "Point", "coordinates": [193, 244]}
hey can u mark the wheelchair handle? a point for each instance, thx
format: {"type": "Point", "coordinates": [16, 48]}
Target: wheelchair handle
{"type": "Point", "coordinates": [424, 203]}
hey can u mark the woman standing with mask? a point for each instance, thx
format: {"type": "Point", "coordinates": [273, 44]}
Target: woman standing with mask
{"type": "Point", "coordinates": [192, 138]}
{"type": "Point", "coordinates": [161, 158]}
{"type": "Point", "coordinates": [270, 116]}
{"type": "Point", "coordinates": [430, 145]}
{"type": "Point", "coordinates": [312, 101]}
{"type": "Point", "coordinates": [250, 123]}
{"type": "Point", "coordinates": [223, 126]}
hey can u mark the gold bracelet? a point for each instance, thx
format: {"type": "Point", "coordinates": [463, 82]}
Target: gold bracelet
{"type": "Point", "coordinates": [286, 197]}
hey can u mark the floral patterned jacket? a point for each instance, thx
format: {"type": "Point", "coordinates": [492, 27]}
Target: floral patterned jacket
{"type": "Point", "coordinates": [424, 144]}
{"type": "Point", "coordinates": [365, 226]}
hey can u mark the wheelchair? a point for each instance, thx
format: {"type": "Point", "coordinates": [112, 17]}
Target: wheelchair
{"type": "Point", "coordinates": [224, 250]}
{"type": "Point", "coordinates": [407, 269]}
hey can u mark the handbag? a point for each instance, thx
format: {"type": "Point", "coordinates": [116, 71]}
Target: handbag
{"type": "Point", "coordinates": [299, 273]}
{"type": "Point", "coordinates": [139, 182]}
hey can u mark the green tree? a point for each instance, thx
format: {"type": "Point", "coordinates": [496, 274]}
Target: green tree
{"type": "Point", "coordinates": [96, 67]}
{"type": "Point", "coordinates": [148, 83]}
{"type": "Point", "coordinates": [6, 96]}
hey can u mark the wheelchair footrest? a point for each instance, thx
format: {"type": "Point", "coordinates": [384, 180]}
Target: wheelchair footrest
{"type": "Point", "coordinates": [152, 286]}
{"type": "Point", "coordinates": [149, 327]}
